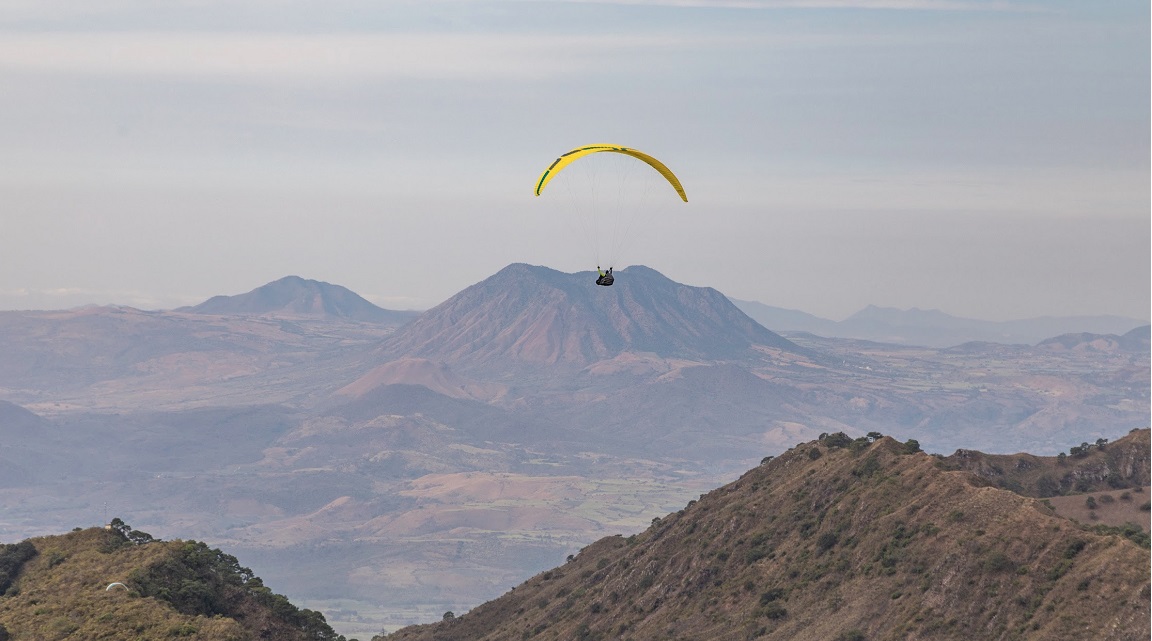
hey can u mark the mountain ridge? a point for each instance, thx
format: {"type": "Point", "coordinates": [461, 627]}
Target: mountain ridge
{"type": "Point", "coordinates": [933, 328]}
{"type": "Point", "coordinates": [1136, 340]}
{"type": "Point", "coordinates": [299, 296]}
{"type": "Point", "coordinates": [295, 296]}
{"type": "Point", "coordinates": [836, 539]}
{"type": "Point", "coordinates": [539, 316]}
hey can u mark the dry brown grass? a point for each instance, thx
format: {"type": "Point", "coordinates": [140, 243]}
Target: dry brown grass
{"type": "Point", "coordinates": [826, 543]}
{"type": "Point", "coordinates": [1114, 508]}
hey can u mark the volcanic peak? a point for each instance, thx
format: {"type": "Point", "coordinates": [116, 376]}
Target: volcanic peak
{"type": "Point", "coordinates": [538, 315]}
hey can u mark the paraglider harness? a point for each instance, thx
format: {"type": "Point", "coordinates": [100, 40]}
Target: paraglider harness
{"type": "Point", "coordinates": [606, 279]}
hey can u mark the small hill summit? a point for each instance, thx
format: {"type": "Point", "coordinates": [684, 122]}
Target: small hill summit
{"type": "Point", "coordinates": [536, 315]}
{"type": "Point", "coordinates": [120, 583]}
{"type": "Point", "coordinates": [839, 539]}
{"type": "Point", "coordinates": [1136, 340]}
{"type": "Point", "coordinates": [297, 296]}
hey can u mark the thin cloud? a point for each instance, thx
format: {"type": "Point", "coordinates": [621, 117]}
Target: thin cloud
{"type": "Point", "coordinates": [901, 5]}
{"type": "Point", "coordinates": [443, 56]}
{"type": "Point", "coordinates": [43, 8]}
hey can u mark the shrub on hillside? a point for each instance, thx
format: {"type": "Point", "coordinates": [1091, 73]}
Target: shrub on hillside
{"type": "Point", "coordinates": [1130, 531]}
{"type": "Point", "coordinates": [837, 439]}
{"type": "Point", "coordinates": [1000, 562]}
{"type": "Point", "coordinates": [826, 541]}
{"type": "Point", "coordinates": [199, 580]}
{"type": "Point", "coordinates": [775, 611]}
{"type": "Point", "coordinates": [1074, 548]}
{"type": "Point", "coordinates": [13, 556]}
{"type": "Point", "coordinates": [870, 466]}
{"type": "Point", "coordinates": [135, 537]}
{"type": "Point", "coordinates": [1047, 486]}
{"type": "Point", "coordinates": [774, 594]}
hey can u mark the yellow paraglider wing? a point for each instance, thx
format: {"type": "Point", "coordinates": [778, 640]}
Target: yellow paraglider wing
{"type": "Point", "coordinates": [580, 152]}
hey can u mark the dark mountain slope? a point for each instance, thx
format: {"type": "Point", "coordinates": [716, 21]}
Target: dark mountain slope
{"type": "Point", "coordinates": [1137, 340]}
{"type": "Point", "coordinates": [473, 420]}
{"type": "Point", "coordinates": [137, 358]}
{"type": "Point", "coordinates": [540, 316]}
{"type": "Point", "coordinates": [67, 349]}
{"type": "Point", "coordinates": [25, 446]}
{"type": "Point", "coordinates": [298, 296]}
{"type": "Point", "coordinates": [186, 442]}
{"type": "Point", "coordinates": [701, 412]}
{"type": "Point", "coordinates": [856, 541]}
{"type": "Point", "coordinates": [18, 424]}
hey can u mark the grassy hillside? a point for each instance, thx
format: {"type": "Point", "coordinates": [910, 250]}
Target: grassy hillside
{"type": "Point", "coordinates": [60, 587]}
{"type": "Point", "coordinates": [837, 540]}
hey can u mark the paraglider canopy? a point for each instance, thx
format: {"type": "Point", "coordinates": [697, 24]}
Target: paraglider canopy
{"type": "Point", "coordinates": [112, 585]}
{"type": "Point", "coordinates": [567, 158]}
{"type": "Point", "coordinates": [608, 197]}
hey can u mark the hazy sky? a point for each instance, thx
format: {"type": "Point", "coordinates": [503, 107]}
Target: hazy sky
{"type": "Point", "coordinates": [986, 158]}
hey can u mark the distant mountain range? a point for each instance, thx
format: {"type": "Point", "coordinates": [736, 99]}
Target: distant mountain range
{"type": "Point", "coordinates": [293, 295]}
{"type": "Point", "coordinates": [432, 462]}
{"type": "Point", "coordinates": [536, 340]}
{"type": "Point", "coordinates": [932, 328]}
{"type": "Point", "coordinates": [1137, 340]}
